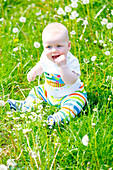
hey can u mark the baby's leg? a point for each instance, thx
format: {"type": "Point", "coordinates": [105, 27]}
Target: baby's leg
{"type": "Point", "coordinates": [36, 95]}
{"type": "Point", "coordinates": [70, 107]}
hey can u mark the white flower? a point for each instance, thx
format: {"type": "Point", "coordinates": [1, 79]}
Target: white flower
{"type": "Point", "coordinates": [85, 140]}
{"type": "Point", "coordinates": [15, 49]}
{"type": "Point", "coordinates": [85, 22]}
{"type": "Point", "coordinates": [93, 58]}
{"type": "Point", "coordinates": [3, 167]}
{"type": "Point", "coordinates": [10, 162]}
{"type": "Point", "coordinates": [74, 14]}
{"type": "Point", "coordinates": [74, 1]}
{"type": "Point", "coordinates": [74, 5]}
{"type": "Point", "coordinates": [95, 41]}
{"type": "Point", "coordinates": [73, 32]}
{"type": "Point", "coordinates": [67, 9]}
{"type": "Point", "coordinates": [1, 19]}
{"type": "Point", "coordinates": [26, 130]}
{"type": "Point", "coordinates": [36, 44]}
{"type": "Point", "coordinates": [2, 103]}
{"type": "Point", "coordinates": [112, 12]}
{"type": "Point", "coordinates": [104, 21]}
{"type": "Point", "coordinates": [15, 30]}
{"type": "Point", "coordinates": [85, 60]}
{"type": "Point", "coordinates": [100, 41]}
{"type": "Point", "coordinates": [85, 1]}
{"type": "Point", "coordinates": [109, 25]}
{"type": "Point", "coordinates": [95, 109]}
{"type": "Point", "coordinates": [107, 53]}
{"type": "Point", "coordinates": [22, 19]}
{"type": "Point", "coordinates": [93, 124]}
{"type": "Point", "coordinates": [38, 13]}
{"type": "Point", "coordinates": [60, 11]}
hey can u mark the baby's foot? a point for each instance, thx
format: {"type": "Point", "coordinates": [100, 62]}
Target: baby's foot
{"type": "Point", "coordinates": [12, 104]}
{"type": "Point", "coordinates": [50, 121]}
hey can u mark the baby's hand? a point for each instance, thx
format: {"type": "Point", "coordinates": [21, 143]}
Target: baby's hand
{"type": "Point", "coordinates": [61, 60]}
{"type": "Point", "coordinates": [31, 76]}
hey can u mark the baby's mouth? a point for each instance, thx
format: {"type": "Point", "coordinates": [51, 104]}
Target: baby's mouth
{"type": "Point", "coordinates": [54, 57]}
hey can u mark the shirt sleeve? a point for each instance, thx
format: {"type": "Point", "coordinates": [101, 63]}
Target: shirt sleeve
{"type": "Point", "coordinates": [75, 66]}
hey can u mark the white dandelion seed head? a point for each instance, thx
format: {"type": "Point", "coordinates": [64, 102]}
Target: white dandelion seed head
{"type": "Point", "coordinates": [109, 25]}
{"type": "Point", "coordinates": [2, 103]}
{"type": "Point", "coordinates": [15, 49]}
{"type": "Point", "coordinates": [15, 30]}
{"type": "Point", "coordinates": [104, 21]}
{"type": "Point", "coordinates": [85, 22]}
{"type": "Point", "coordinates": [3, 167]}
{"type": "Point", "coordinates": [60, 11]}
{"type": "Point", "coordinates": [36, 44]}
{"type": "Point", "coordinates": [107, 53]}
{"type": "Point", "coordinates": [74, 14]}
{"type": "Point", "coordinates": [93, 58]}
{"type": "Point", "coordinates": [74, 5]}
{"type": "Point", "coordinates": [22, 19]}
{"type": "Point", "coordinates": [73, 32]}
{"type": "Point", "coordinates": [74, 1]}
{"type": "Point", "coordinates": [67, 9]}
{"type": "Point", "coordinates": [85, 1]}
{"type": "Point", "coordinates": [85, 140]}
{"type": "Point", "coordinates": [1, 19]}
{"type": "Point", "coordinates": [112, 12]}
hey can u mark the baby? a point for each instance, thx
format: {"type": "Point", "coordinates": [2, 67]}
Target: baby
{"type": "Point", "coordinates": [62, 87]}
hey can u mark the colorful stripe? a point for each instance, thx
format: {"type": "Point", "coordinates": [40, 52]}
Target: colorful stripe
{"type": "Point", "coordinates": [54, 84]}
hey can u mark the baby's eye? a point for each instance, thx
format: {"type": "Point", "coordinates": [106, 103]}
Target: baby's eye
{"type": "Point", "coordinates": [58, 45]}
{"type": "Point", "coordinates": [48, 46]}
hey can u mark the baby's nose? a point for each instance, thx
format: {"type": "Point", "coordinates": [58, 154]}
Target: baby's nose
{"type": "Point", "coordinates": [54, 49]}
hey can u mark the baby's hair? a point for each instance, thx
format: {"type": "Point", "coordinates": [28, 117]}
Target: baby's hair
{"type": "Point", "coordinates": [55, 28]}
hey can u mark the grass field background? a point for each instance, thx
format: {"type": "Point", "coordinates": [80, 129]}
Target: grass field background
{"type": "Point", "coordinates": [25, 140]}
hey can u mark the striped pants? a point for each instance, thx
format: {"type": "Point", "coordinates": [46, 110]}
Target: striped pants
{"type": "Point", "coordinates": [69, 106]}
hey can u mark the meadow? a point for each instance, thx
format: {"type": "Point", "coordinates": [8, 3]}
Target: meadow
{"type": "Point", "coordinates": [86, 142]}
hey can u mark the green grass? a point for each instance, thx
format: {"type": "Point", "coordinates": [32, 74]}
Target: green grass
{"type": "Point", "coordinates": [25, 138]}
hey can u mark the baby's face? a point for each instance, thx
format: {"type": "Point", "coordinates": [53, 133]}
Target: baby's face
{"type": "Point", "coordinates": [55, 45]}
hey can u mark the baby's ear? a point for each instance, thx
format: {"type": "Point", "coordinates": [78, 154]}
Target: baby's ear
{"type": "Point", "coordinates": [69, 45]}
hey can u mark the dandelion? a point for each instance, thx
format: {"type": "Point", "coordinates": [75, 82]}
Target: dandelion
{"type": "Point", "coordinates": [73, 32]}
{"type": "Point", "coordinates": [3, 167]}
{"type": "Point", "coordinates": [15, 30]}
{"type": "Point", "coordinates": [2, 103]}
{"type": "Point", "coordinates": [38, 13]}
{"type": "Point", "coordinates": [22, 19]}
{"type": "Point", "coordinates": [100, 41]}
{"type": "Point", "coordinates": [10, 162]}
{"type": "Point", "coordinates": [85, 1]}
{"type": "Point", "coordinates": [109, 25]}
{"type": "Point", "coordinates": [36, 44]}
{"type": "Point", "coordinates": [74, 5]}
{"type": "Point", "coordinates": [112, 12]}
{"type": "Point", "coordinates": [85, 22]}
{"type": "Point", "coordinates": [74, 1]}
{"type": "Point", "coordinates": [26, 130]}
{"type": "Point", "coordinates": [104, 21]}
{"type": "Point", "coordinates": [1, 19]}
{"type": "Point", "coordinates": [67, 9]}
{"type": "Point", "coordinates": [93, 124]}
{"type": "Point", "coordinates": [85, 60]}
{"type": "Point", "coordinates": [85, 140]}
{"type": "Point", "coordinates": [74, 14]}
{"type": "Point", "coordinates": [93, 58]}
{"type": "Point", "coordinates": [107, 53]}
{"type": "Point", "coordinates": [60, 11]}
{"type": "Point", "coordinates": [15, 49]}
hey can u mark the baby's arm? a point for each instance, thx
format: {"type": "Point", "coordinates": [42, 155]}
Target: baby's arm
{"type": "Point", "coordinates": [68, 76]}
{"type": "Point", "coordinates": [36, 70]}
